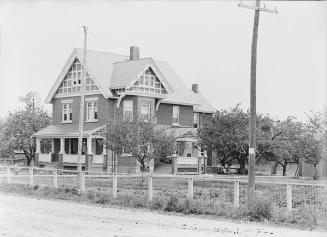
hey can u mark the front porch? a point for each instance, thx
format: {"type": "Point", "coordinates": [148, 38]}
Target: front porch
{"type": "Point", "coordinates": [63, 153]}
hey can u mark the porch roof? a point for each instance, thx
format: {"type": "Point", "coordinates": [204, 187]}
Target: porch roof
{"type": "Point", "coordinates": [179, 132]}
{"type": "Point", "coordinates": [68, 130]}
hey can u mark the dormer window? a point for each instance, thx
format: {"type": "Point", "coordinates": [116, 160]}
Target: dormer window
{"type": "Point", "coordinates": [149, 83]}
{"type": "Point", "coordinates": [67, 112]}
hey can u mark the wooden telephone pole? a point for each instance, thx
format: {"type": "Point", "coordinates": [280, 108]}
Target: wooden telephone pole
{"type": "Point", "coordinates": [252, 126]}
{"type": "Point", "coordinates": [81, 113]}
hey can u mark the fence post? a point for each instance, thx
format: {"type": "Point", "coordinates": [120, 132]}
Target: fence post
{"type": "Point", "coordinates": [190, 187]}
{"type": "Point", "coordinates": [150, 187]}
{"type": "Point", "coordinates": [114, 186]}
{"type": "Point", "coordinates": [289, 197]}
{"type": "Point", "coordinates": [55, 178]}
{"type": "Point", "coordinates": [8, 175]}
{"type": "Point", "coordinates": [30, 176]}
{"type": "Point", "coordinates": [236, 194]}
{"type": "Point", "coordinates": [82, 181]}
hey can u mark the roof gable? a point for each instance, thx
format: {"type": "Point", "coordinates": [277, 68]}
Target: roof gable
{"type": "Point", "coordinates": [125, 74]}
{"type": "Point", "coordinates": [99, 66]}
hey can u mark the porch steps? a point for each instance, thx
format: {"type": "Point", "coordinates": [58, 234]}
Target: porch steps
{"type": "Point", "coordinates": [162, 168]}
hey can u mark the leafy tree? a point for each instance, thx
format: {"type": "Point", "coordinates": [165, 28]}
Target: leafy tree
{"type": "Point", "coordinates": [313, 142]}
{"type": "Point", "coordinates": [227, 134]}
{"type": "Point", "coordinates": [140, 139]}
{"type": "Point", "coordinates": [20, 125]}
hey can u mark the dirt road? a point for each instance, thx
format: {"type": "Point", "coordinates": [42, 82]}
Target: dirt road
{"type": "Point", "coordinates": [24, 216]}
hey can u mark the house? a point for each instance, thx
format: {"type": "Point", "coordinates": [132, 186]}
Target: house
{"type": "Point", "coordinates": [117, 85]}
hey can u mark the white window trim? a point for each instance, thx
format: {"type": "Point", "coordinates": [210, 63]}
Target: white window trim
{"type": "Point", "coordinates": [125, 101]}
{"type": "Point", "coordinates": [90, 99]}
{"type": "Point", "coordinates": [148, 104]}
{"type": "Point", "coordinates": [93, 120]}
{"type": "Point", "coordinates": [62, 113]}
{"type": "Point", "coordinates": [198, 119]}
{"type": "Point", "coordinates": [178, 115]}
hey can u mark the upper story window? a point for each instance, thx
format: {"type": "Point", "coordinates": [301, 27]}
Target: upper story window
{"type": "Point", "coordinates": [146, 112]}
{"type": "Point", "coordinates": [175, 114]}
{"type": "Point", "coordinates": [92, 111]}
{"type": "Point", "coordinates": [149, 83]}
{"type": "Point", "coordinates": [67, 113]}
{"type": "Point", "coordinates": [72, 80]}
{"type": "Point", "coordinates": [196, 120]}
{"type": "Point", "coordinates": [128, 110]}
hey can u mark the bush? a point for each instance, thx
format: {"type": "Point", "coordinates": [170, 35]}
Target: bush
{"type": "Point", "coordinates": [158, 202]}
{"type": "Point", "coordinates": [172, 204]}
{"type": "Point", "coordinates": [259, 209]}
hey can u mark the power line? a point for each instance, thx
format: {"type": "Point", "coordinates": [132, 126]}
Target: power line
{"type": "Point", "coordinates": [97, 39]}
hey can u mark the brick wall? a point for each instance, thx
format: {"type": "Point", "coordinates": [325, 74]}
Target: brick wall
{"type": "Point", "coordinates": [165, 115]}
{"type": "Point", "coordinates": [106, 111]}
{"type": "Point", "coordinates": [105, 108]}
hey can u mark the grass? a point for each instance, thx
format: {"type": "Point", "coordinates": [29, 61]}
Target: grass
{"type": "Point", "coordinates": [212, 203]}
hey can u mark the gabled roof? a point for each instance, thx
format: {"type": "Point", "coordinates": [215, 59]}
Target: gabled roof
{"type": "Point", "coordinates": [110, 71]}
{"type": "Point", "coordinates": [126, 73]}
{"type": "Point", "coordinates": [99, 66]}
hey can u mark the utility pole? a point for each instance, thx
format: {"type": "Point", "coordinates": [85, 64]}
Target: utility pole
{"type": "Point", "coordinates": [252, 125]}
{"type": "Point", "coordinates": [81, 113]}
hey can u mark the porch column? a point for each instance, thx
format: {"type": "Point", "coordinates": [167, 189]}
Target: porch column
{"type": "Point", "coordinates": [38, 145]}
{"type": "Point", "coordinates": [199, 161]}
{"type": "Point", "coordinates": [37, 152]}
{"type": "Point", "coordinates": [89, 146]}
{"type": "Point", "coordinates": [52, 145]}
{"type": "Point", "coordinates": [89, 154]}
{"type": "Point", "coordinates": [62, 146]}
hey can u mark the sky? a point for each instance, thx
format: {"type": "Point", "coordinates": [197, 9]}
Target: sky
{"type": "Point", "coordinates": [206, 42]}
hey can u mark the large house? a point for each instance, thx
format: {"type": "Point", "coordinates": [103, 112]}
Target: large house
{"type": "Point", "coordinates": [128, 87]}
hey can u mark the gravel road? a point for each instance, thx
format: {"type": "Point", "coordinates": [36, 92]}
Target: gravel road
{"type": "Point", "coordinates": [25, 216]}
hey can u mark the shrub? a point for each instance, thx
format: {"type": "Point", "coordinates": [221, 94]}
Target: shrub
{"type": "Point", "coordinates": [259, 208]}
{"type": "Point", "coordinates": [158, 202]}
{"type": "Point", "coordinates": [172, 204]}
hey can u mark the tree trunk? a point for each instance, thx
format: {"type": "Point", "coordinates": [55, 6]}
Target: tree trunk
{"type": "Point", "coordinates": [242, 169]}
{"type": "Point", "coordinates": [315, 175]}
{"type": "Point", "coordinates": [142, 165]}
{"type": "Point", "coordinates": [284, 169]}
{"type": "Point", "coordinates": [274, 169]}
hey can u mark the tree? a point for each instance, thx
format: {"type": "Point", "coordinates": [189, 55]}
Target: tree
{"type": "Point", "coordinates": [227, 134]}
{"type": "Point", "coordinates": [313, 147]}
{"type": "Point", "coordinates": [20, 125]}
{"type": "Point", "coordinates": [140, 139]}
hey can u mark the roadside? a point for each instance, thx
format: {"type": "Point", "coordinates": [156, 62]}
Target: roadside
{"type": "Point", "coordinates": [25, 216]}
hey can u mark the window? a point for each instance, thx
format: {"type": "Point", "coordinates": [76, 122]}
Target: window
{"type": "Point", "coordinates": [128, 110]}
{"type": "Point", "coordinates": [196, 120]}
{"type": "Point", "coordinates": [146, 112]}
{"type": "Point", "coordinates": [91, 111]}
{"type": "Point", "coordinates": [149, 83]}
{"type": "Point", "coordinates": [67, 113]}
{"type": "Point", "coordinates": [72, 80]}
{"type": "Point", "coordinates": [175, 114]}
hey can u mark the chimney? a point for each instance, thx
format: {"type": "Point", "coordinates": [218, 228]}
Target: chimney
{"type": "Point", "coordinates": [195, 88]}
{"type": "Point", "coordinates": [134, 53]}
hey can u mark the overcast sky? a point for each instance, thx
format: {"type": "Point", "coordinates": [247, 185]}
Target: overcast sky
{"type": "Point", "coordinates": [206, 42]}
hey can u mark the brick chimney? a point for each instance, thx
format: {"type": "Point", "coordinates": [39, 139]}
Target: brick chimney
{"type": "Point", "coordinates": [134, 53]}
{"type": "Point", "coordinates": [195, 88]}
